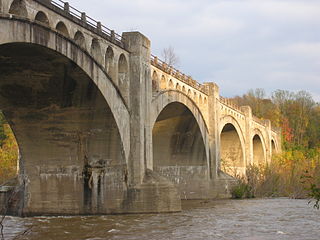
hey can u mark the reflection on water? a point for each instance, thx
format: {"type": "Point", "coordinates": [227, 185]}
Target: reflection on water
{"type": "Point", "coordinates": [257, 219]}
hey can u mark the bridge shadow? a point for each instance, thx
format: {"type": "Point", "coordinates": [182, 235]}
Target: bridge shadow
{"type": "Point", "coordinates": [67, 136]}
{"type": "Point", "coordinates": [179, 152]}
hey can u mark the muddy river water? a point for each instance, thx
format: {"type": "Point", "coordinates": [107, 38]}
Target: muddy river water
{"type": "Point", "coordinates": [256, 219]}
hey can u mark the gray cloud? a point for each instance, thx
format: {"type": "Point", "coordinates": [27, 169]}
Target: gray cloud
{"type": "Point", "coordinates": [240, 44]}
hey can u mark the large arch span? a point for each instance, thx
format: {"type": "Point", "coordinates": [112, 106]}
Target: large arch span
{"type": "Point", "coordinates": [180, 148]}
{"type": "Point", "coordinates": [258, 147]}
{"type": "Point", "coordinates": [69, 120]}
{"type": "Point", "coordinates": [161, 100]}
{"type": "Point", "coordinates": [232, 146]}
{"type": "Point", "coordinates": [16, 30]}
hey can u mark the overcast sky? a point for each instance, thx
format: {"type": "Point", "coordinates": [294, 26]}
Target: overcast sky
{"type": "Point", "coordinates": [239, 44]}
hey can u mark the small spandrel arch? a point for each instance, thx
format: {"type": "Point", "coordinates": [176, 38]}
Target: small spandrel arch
{"type": "Point", "coordinates": [163, 84]}
{"type": "Point", "coordinates": [123, 78]}
{"type": "Point", "coordinates": [42, 17]}
{"type": "Point", "coordinates": [18, 7]}
{"type": "Point", "coordinates": [155, 82]}
{"type": "Point", "coordinates": [170, 84]}
{"type": "Point", "coordinates": [61, 27]}
{"type": "Point", "coordinates": [258, 150]}
{"type": "Point", "coordinates": [79, 39]}
{"type": "Point", "coordinates": [231, 150]}
{"type": "Point", "coordinates": [109, 61]}
{"type": "Point", "coordinates": [96, 50]}
{"type": "Point", "coordinates": [273, 147]}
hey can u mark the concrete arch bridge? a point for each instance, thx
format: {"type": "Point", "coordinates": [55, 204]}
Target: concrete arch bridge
{"type": "Point", "coordinates": [105, 127]}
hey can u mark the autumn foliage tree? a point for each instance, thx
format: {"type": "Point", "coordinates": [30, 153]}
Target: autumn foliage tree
{"type": "Point", "coordinates": [298, 115]}
{"type": "Point", "coordinates": [8, 152]}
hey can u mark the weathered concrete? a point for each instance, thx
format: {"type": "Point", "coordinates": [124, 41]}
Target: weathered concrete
{"type": "Point", "coordinates": [102, 129]}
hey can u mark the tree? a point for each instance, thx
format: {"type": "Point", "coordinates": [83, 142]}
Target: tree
{"type": "Point", "coordinates": [2, 133]}
{"type": "Point", "coordinates": [169, 56]}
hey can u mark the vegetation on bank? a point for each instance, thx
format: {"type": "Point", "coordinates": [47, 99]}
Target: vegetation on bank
{"type": "Point", "coordinates": [295, 172]}
{"type": "Point", "coordinates": [8, 152]}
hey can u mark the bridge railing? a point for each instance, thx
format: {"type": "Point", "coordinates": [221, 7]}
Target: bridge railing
{"type": "Point", "coordinates": [162, 65]}
{"type": "Point", "coordinates": [228, 102]}
{"type": "Point", "coordinates": [102, 29]}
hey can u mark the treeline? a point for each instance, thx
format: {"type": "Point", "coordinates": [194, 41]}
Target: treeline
{"type": "Point", "coordinates": [297, 114]}
{"type": "Point", "coordinates": [296, 171]}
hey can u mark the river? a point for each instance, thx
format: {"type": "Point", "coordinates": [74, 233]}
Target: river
{"type": "Point", "coordinates": [254, 219]}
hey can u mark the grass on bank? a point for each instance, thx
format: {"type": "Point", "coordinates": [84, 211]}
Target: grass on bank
{"type": "Point", "coordinates": [294, 173]}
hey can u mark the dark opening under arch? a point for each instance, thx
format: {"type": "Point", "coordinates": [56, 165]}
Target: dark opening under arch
{"type": "Point", "coordinates": [179, 150]}
{"type": "Point", "coordinates": [18, 7]}
{"type": "Point", "coordinates": [70, 146]}
{"type": "Point", "coordinates": [231, 150]}
{"type": "Point", "coordinates": [42, 17]}
{"type": "Point", "coordinates": [258, 152]}
{"type": "Point", "coordinates": [62, 28]}
{"type": "Point", "coordinates": [273, 147]}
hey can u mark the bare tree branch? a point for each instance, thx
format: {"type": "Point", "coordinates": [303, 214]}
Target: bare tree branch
{"type": "Point", "coordinates": [169, 56]}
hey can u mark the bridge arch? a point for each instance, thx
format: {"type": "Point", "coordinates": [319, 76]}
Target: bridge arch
{"type": "Point", "coordinates": [258, 147]}
{"type": "Point", "coordinates": [274, 146]}
{"type": "Point", "coordinates": [163, 83]}
{"type": "Point", "coordinates": [200, 99]}
{"type": "Point", "coordinates": [180, 142]}
{"type": "Point", "coordinates": [96, 50]}
{"type": "Point", "coordinates": [178, 87]}
{"type": "Point", "coordinates": [68, 117]}
{"type": "Point", "coordinates": [18, 7]}
{"type": "Point", "coordinates": [109, 62]}
{"type": "Point", "coordinates": [42, 17]}
{"type": "Point", "coordinates": [164, 98]}
{"type": "Point", "coordinates": [64, 46]}
{"type": "Point", "coordinates": [123, 76]}
{"type": "Point", "coordinates": [62, 28]}
{"type": "Point", "coordinates": [232, 146]}
{"type": "Point", "coordinates": [155, 81]}
{"type": "Point", "coordinates": [79, 39]}
{"type": "Point", "coordinates": [170, 84]}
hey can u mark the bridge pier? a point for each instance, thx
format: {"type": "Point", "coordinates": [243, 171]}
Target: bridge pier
{"type": "Point", "coordinates": [155, 193]}
{"type": "Point", "coordinates": [213, 129]}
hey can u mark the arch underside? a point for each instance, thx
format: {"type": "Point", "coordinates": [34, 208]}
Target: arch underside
{"type": "Point", "coordinates": [179, 150]}
{"type": "Point", "coordinates": [67, 135]}
{"type": "Point", "coordinates": [232, 151]}
{"type": "Point", "coordinates": [273, 147]}
{"type": "Point", "coordinates": [259, 154]}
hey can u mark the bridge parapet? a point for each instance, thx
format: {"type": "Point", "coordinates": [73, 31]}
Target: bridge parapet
{"type": "Point", "coordinates": [163, 66]}
{"type": "Point", "coordinates": [65, 9]}
{"type": "Point", "coordinates": [230, 104]}
{"type": "Point", "coordinates": [102, 44]}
